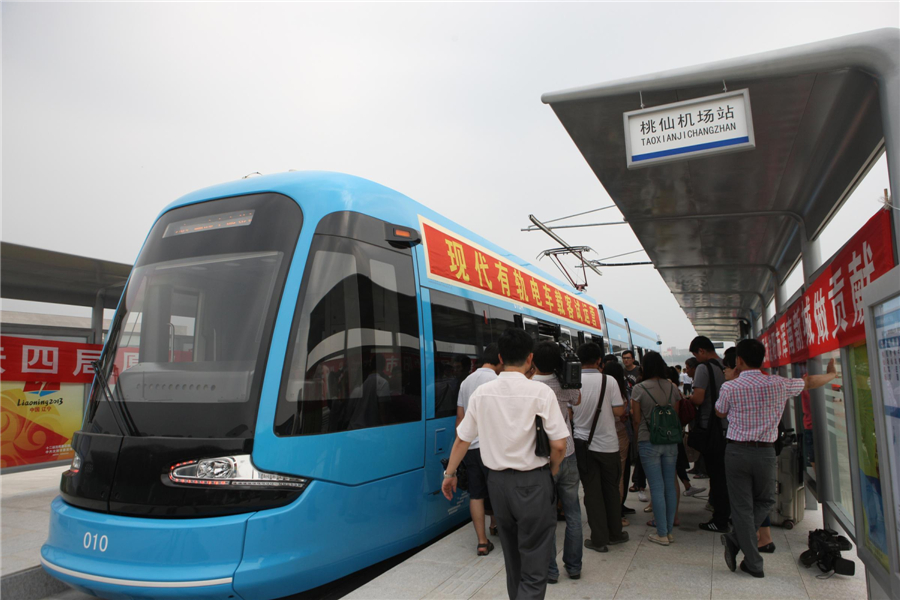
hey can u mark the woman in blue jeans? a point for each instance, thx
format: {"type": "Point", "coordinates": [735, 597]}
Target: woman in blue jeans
{"type": "Point", "coordinates": [658, 459]}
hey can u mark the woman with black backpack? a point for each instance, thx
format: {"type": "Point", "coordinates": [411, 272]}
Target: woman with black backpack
{"type": "Point", "coordinates": [658, 432]}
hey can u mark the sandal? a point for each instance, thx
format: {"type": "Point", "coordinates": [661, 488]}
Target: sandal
{"type": "Point", "coordinates": [633, 488]}
{"type": "Point", "coordinates": [648, 508]}
{"type": "Point", "coordinates": [484, 549]}
{"type": "Point", "coordinates": [493, 531]}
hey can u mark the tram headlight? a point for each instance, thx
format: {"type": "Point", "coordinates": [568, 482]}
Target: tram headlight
{"type": "Point", "coordinates": [230, 471]}
{"type": "Point", "coordinates": [76, 463]}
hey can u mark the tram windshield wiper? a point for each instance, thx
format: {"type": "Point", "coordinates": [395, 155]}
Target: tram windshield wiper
{"type": "Point", "coordinates": [122, 421]}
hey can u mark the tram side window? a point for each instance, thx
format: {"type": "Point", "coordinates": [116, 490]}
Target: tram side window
{"type": "Point", "coordinates": [461, 331]}
{"type": "Point", "coordinates": [501, 320]}
{"type": "Point", "coordinates": [354, 358]}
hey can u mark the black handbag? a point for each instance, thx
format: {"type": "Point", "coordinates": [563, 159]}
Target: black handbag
{"type": "Point", "coordinates": [541, 440]}
{"type": "Point", "coordinates": [462, 474]}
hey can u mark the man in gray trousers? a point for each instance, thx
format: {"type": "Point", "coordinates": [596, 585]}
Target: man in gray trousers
{"type": "Point", "coordinates": [502, 416]}
{"type": "Point", "coordinates": [754, 403]}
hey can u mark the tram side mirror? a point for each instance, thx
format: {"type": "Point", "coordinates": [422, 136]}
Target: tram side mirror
{"type": "Point", "coordinates": [401, 237]}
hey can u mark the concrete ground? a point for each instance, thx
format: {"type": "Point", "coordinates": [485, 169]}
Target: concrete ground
{"type": "Point", "coordinates": [25, 516]}
{"type": "Point", "coordinates": [693, 567]}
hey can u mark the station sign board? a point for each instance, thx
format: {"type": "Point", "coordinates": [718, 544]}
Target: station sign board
{"type": "Point", "coordinates": [457, 261]}
{"type": "Point", "coordinates": [829, 314]}
{"type": "Point", "coordinates": [683, 130]}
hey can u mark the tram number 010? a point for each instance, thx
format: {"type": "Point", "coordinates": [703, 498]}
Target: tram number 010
{"type": "Point", "coordinates": [92, 542]}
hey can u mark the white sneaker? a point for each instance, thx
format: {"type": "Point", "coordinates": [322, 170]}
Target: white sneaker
{"type": "Point", "coordinates": [642, 496]}
{"type": "Point", "coordinates": [693, 490]}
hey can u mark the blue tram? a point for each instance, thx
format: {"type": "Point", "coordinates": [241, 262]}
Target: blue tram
{"type": "Point", "coordinates": [278, 387]}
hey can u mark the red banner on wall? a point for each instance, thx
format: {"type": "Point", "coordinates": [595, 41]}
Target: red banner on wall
{"type": "Point", "coordinates": [29, 359]}
{"type": "Point", "coordinates": [459, 262]}
{"type": "Point", "coordinates": [829, 314]}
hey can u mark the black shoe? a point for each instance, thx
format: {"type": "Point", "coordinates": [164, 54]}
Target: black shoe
{"type": "Point", "coordinates": [560, 516]}
{"type": "Point", "coordinates": [621, 540]}
{"type": "Point", "coordinates": [730, 553]}
{"type": "Point", "coordinates": [768, 548]}
{"type": "Point", "coordinates": [714, 528]}
{"type": "Point", "coordinates": [628, 511]}
{"type": "Point", "coordinates": [551, 581]}
{"type": "Point", "coordinates": [575, 576]}
{"type": "Point", "coordinates": [590, 546]}
{"type": "Point", "coordinates": [757, 574]}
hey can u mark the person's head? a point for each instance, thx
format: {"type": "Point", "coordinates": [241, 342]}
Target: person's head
{"type": "Point", "coordinates": [462, 365]}
{"type": "Point", "coordinates": [702, 348]}
{"type": "Point", "coordinates": [617, 372]}
{"type": "Point", "coordinates": [750, 354]}
{"type": "Point", "coordinates": [590, 354]}
{"type": "Point", "coordinates": [690, 366]}
{"type": "Point", "coordinates": [610, 358]}
{"type": "Point", "coordinates": [515, 347]}
{"type": "Point", "coordinates": [673, 376]}
{"type": "Point", "coordinates": [628, 359]}
{"type": "Point", "coordinates": [729, 356]}
{"type": "Point", "coordinates": [654, 366]}
{"type": "Point", "coordinates": [547, 358]}
{"type": "Point", "coordinates": [490, 358]}
{"type": "Point", "coordinates": [678, 368]}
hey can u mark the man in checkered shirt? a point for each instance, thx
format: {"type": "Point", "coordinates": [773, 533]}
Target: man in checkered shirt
{"type": "Point", "coordinates": [754, 403]}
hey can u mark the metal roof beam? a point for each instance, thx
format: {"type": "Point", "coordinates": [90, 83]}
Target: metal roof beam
{"type": "Point", "coordinates": [732, 215]}
{"type": "Point", "coordinates": [770, 268]}
{"type": "Point", "coordinates": [741, 292]}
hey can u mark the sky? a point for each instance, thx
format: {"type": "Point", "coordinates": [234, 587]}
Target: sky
{"type": "Point", "coordinates": [111, 111]}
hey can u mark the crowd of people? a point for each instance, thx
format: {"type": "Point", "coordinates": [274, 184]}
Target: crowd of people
{"type": "Point", "coordinates": [625, 415]}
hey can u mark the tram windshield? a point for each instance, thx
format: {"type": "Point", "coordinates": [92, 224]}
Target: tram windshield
{"type": "Point", "coordinates": [188, 344]}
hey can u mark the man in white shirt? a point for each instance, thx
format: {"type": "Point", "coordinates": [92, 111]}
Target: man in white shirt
{"type": "Point", "coordinates": [597, 450]}
{"type": "Point", "coordinates": [502, 415]}
{"type": "Point", "coordinates": [478, 491]}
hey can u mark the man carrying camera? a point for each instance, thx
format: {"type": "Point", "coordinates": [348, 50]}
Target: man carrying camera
{"type": "Point", "coordinates": [754, 403]}
{"type": "Point", "coordinates": [502, 415]}
{"type": "Point", "coordinates": [548, 360]}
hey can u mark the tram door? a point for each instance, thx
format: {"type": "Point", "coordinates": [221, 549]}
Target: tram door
{"type": "Point", "coordinates": [460, 330]}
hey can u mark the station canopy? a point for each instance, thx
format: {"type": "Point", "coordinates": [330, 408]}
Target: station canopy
{"type": "Point", "coordinates": [721, 229]}
{"type": "Point", "coordinates": [40, 275]}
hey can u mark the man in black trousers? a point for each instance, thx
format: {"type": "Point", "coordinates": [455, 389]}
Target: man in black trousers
{"type": "Point", "coordinates": [502, 416]}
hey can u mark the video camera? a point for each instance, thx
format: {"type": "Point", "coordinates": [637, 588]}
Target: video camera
{"type": "Point", "coordinates": [825, 547]}
{"type": "Point", "coordinates": [569, 370]}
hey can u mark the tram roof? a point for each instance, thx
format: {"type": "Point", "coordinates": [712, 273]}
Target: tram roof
{"type": "Point", "coordinates": [323, 192]}
{"type": "Point", "coordinates": [40, 275]}
{"type": "Point", "coordinates": [720, 229]}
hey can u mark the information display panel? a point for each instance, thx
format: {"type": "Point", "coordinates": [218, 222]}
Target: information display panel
{"type": "Point", "coordinates": [887, 337]}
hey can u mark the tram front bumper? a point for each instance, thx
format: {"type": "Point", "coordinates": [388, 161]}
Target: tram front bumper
{"type": "Point", "coordinates": [128, 557]}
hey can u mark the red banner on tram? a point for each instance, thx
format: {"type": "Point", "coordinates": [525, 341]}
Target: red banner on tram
{"type": "Point", "coordinates": [453, 259]}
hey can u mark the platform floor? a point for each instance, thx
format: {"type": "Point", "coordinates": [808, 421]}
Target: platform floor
{"type": "Point", "coordinates": [693, 567]}
{"type": "Point", "coordinates": [25, 516]}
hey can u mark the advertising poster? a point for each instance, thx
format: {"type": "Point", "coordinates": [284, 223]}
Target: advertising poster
{"type": "Point", "coordinates": [43, 388]}
{"type": "Point", "coordinates": [874, 530]}
{"type": "Point", "coordinates": [37, 421]}
{"type": "Point", "coordinates": [887, 336]}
